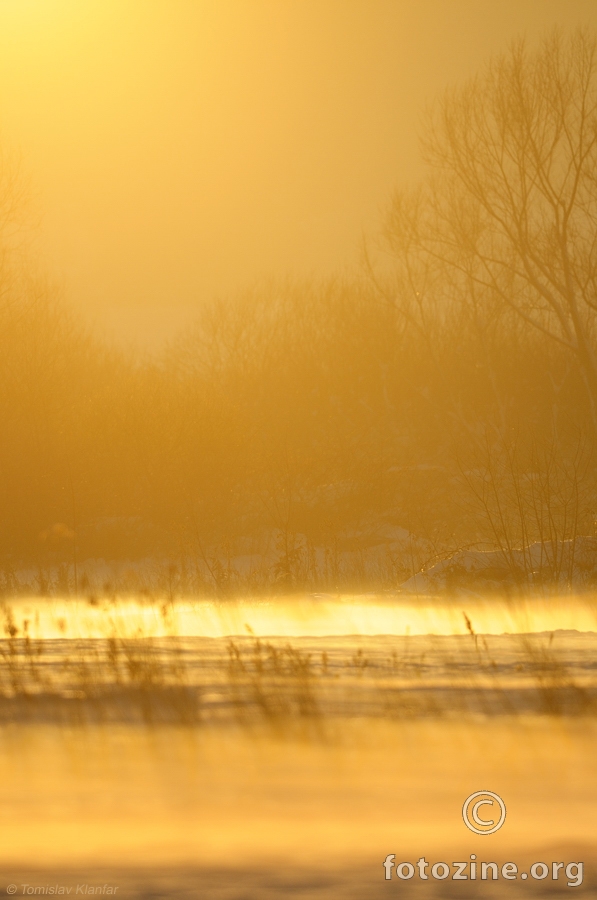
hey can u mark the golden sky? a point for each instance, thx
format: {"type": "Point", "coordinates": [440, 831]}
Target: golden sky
{"type": "Point", "coordinates": [176, 149]}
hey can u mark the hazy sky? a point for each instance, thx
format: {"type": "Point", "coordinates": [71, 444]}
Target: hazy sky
{"type": "Point", "coordinates": [180, 148]}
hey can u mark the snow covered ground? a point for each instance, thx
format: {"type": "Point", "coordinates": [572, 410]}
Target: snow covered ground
{"type": "Point", "coordinates": [556, 563]}
{"type": "Point", "coordinates": [374, 558]}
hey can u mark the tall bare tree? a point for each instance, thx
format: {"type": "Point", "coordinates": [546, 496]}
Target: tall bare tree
{"type": "Point", "coordinates": [507, 219]}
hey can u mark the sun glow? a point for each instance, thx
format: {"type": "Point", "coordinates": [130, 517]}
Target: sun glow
{"type": "Point", "coordinates": [298, 617]}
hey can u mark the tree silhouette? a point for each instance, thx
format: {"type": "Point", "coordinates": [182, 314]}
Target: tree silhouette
{"type": "Point", "coordinates": [507, 219]}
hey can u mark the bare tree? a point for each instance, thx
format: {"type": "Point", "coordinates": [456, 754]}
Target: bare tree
{"type": "Point", "coordinates": [507, 218]}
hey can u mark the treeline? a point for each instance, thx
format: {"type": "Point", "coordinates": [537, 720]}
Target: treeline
{"type": "Point", "coordinates": [312, 409]}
